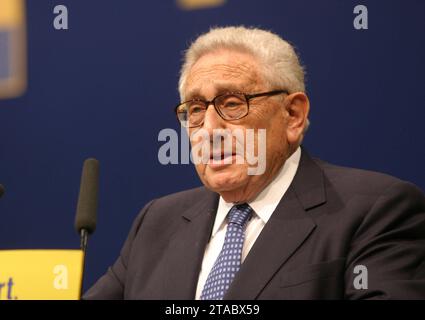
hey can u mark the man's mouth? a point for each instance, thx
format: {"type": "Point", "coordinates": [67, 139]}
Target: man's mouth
{"type": "Point", "coordinates": [222, 160]}
{"type": "Point", "coordinates": [221, 155]}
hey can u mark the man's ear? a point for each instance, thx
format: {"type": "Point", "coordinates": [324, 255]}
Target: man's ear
{"type": "Point", "coordinates": [297, 107]}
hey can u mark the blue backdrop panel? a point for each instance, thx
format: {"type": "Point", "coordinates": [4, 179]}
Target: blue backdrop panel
{"type": "Point", "coordinates": [105, 87]}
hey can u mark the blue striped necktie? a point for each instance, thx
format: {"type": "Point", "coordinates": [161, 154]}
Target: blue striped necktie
{"type": "Point", "coordinates": [229, 259]}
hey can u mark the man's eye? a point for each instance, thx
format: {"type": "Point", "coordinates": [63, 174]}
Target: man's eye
{"type": "Point", "coordinates": [196, 108]}
{"type": "Point", "coordinates": [233, 104]}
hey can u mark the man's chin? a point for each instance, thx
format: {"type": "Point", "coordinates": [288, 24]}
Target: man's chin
{"type": "Point", "coordinates": [225, 180]}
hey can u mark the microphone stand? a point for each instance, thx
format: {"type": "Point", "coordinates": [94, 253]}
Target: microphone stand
{"type": "Point", "coordinates": [83, 236]}
{"type": "Point", "coordinates": [83, 245]}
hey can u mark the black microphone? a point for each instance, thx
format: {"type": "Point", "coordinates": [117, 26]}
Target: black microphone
{"type": "Point", "coordinates": [1, 190]}
{"type": "Point", "coordinates": [86, 216]}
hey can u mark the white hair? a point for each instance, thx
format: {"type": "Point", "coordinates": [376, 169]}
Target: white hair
{"type": "Point", "coordinates": [281, 67]}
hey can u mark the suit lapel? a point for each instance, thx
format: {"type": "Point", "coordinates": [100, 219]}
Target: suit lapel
{"type": "Point", "coordinates": [285, 232]}
{"type": "Point", "coordinates": [186, 250]}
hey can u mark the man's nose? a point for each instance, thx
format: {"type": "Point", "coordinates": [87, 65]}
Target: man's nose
{"type": "Point", "coordinates": [212, 120]}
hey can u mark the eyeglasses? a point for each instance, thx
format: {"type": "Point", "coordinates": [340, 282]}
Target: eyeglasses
{"type": "Point", "coordinates": [230, 106]}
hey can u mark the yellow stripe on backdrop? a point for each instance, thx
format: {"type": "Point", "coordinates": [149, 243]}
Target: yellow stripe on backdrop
{"type": "Point", "coordinates": [199, 4]}
{"type": "Point", "coordinates": [41, 274]}
{"type": "Point", "coordinates": [13, 67]}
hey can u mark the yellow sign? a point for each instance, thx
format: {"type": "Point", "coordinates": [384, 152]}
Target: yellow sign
{"type": "Point", "coordinates": [41, 274]}
{"type": "Point", "coordinates": [13, 67]}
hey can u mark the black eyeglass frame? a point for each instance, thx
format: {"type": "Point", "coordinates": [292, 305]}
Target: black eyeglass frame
{"type": "Point", "coordinates": [246, 96]}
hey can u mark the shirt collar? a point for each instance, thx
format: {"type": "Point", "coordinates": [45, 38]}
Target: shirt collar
{"type": "Point", "coordinates": [268, 199]}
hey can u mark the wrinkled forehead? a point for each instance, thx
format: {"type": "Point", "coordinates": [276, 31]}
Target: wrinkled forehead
{"type": "Point", "coordinates": [223, 71]}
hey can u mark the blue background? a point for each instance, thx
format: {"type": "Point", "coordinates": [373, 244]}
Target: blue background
{"type": "Point", "coordinates": [108, 85]}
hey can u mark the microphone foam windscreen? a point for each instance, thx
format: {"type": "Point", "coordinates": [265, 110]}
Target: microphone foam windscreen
{"type": "Point", "coordinates": [87, 200]}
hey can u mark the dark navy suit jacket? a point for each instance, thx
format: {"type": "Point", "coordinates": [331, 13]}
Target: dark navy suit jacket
{"type": "Point", "coordinates": [330, 220]}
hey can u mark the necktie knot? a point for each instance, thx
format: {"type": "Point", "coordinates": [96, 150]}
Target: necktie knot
{"type": "Point", "coordinates": [239, 214]}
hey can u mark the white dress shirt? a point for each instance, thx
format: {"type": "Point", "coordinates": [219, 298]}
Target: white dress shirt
{"type": "Point", "coordinates": [263, 205]}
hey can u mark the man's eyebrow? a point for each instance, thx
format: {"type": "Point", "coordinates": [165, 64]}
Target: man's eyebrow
{"type": "Point", "coordinates": [193, 94]}
{"type": "Point", "coordinates": [220, 89]}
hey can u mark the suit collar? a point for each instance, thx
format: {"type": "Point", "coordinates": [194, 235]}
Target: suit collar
{"type": "Point", "coordinates": [186, 248]}
{"type": "Point", "coordinates": [207, 203]}
{"type": "Point", "coordinates": [308, 183]}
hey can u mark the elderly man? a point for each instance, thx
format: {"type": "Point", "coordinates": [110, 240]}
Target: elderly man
{"type": "Point", "coordinates": [301, 229]}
